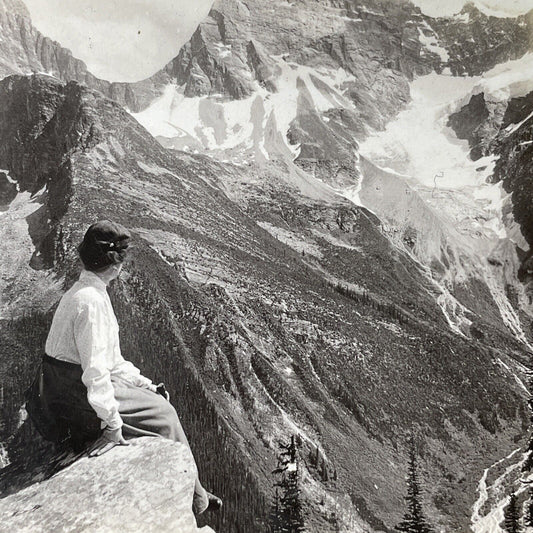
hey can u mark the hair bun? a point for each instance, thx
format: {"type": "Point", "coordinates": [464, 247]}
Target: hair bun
{"type": "Point", "coordinates": [104, 244]}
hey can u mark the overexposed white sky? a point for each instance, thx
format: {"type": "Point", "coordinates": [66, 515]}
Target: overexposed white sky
{"type": "Point", "coordinates": [120, 40]}
{"type": "Point", "coordinates": [129, 40]}
{"type": "Point", "coordinates": [510, 8]}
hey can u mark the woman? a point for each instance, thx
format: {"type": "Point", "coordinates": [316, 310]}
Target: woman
{"type": "Point", "coordinates": [90, 391]}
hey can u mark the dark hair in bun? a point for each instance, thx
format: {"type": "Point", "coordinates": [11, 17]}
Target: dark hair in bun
{"type": "Point", "coordinates": [105, 243]}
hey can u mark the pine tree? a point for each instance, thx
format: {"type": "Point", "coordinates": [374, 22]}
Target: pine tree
{"type": "Point", "coordinates": [528, 517]}
{"type": "Point", "coordinates": [512, 516]}
{"type": "Point", "coordinates": [414, 520]}
{"type": "Point", "coordinates": [528, 463]}
{"type": "Point", "coordinates": [287, 512]}
{"type": "Point", "coordinates": [275, 515]}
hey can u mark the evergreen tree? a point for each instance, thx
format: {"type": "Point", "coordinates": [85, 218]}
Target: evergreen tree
{"type": "Point", "coordinates": [528, 463]}
{"type": "Point", "coordinates": [512, 516]}
{"type": "Point", "coordinates": [275, 515]}
{"type": "Point", "coordinates": [414, 520]}
{"type": "Point", "coordinates": [528, 517]}
{"type": "Point", "coordinates": [287, 511]}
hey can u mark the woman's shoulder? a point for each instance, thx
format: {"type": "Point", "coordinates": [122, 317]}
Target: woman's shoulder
{"type": "Point", "coordinates": [84, 295]}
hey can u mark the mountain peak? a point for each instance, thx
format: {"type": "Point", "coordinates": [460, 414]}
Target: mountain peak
{"type": "Point", "coordinates": [14, 7]}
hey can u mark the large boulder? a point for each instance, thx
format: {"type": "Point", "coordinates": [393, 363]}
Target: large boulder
{"type": "Point", "coordinates": [146, 486]}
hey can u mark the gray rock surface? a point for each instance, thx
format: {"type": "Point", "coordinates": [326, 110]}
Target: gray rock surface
{"type": "Point", "coordinates": [146, 486]}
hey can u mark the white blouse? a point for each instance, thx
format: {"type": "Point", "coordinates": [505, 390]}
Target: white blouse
{"type": "Point", "coordinates": [85, 331]}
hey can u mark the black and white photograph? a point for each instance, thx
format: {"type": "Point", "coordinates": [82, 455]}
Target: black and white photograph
{"type": "Point", "coordinates": [266, 266]}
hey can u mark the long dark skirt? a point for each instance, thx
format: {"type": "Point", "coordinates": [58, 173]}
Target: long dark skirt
{"type": "Point", "coordinates": [57, 403]}
{"type": "Point", "coordinates": [63, 397]}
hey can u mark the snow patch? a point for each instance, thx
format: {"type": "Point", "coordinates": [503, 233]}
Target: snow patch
{"type": "Point", "coordinates": [224, 50]}
{"type": "Point", "coordinates": [432, 44]}
{"type": "Point", "coordinates": [513, 127]}
{"type": "Point", "coordinates": [217, 123]}
{"type": "Point", "coordinates": [291, 239]}
{"type": "Point", "coordinates": [463, 17]}
{"type": "Point", "coordinates": [341, 76]}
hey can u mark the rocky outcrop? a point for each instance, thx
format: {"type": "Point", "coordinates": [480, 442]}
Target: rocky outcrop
{"type": "Point", "coordinates": [146, 486]}
{"type": "Point", "coordinates": [479, 122]}
{"type": "Point", "coordinates": [515, 169]}
{"type": "Point", "coordinates": [213, 62]}
{"type": "Point", "coordinates": [24, 50]}
{"type": "Point", "coordinates": [476, 42]}
{"type": "Point", "coordinates": [503, 128]}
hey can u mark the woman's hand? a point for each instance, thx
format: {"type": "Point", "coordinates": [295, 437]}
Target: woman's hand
{"type": "Point", "coordinates": [161, 389]}
{"type": "Point", "coordinates": [107, 441]}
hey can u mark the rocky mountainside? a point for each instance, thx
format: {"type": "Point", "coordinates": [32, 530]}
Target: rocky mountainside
{"type": "Point", "coordinates": [24, 50]}
{"type": "Point", "coordinates": [500, 125]}
{"type": "Point", "coordinates": [297, 270]}
{"type": "Point", "coordinates": [250, 331]}
{"type": "Point", "coordinates": [328, 76]}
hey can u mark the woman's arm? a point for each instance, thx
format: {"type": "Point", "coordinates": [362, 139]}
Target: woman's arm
{"type": "Point", "coordinates": [92, 341]}
{"type": "Point", "coordinates": [128, 371]}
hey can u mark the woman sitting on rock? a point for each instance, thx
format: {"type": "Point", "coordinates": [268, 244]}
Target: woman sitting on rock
{"type": "Point", "coordinates": [87, 387]}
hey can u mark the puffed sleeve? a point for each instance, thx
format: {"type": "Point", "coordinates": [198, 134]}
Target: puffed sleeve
{"type": "Point", "coordinates": [92, 340]}
{"type": "Point", "coordinates": [128, 371]}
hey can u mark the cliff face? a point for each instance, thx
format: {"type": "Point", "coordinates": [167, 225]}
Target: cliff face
{"type": "Point", "coordinates": [514, 166]}
{"type": "Point", "coordinates": [477, 42]}
{"type": "Point", "coordinates": [24, 50]}
{"type": "Point", "coordinates": [146, 486]}
{"type": "Point", "coordinates": [501, 126]}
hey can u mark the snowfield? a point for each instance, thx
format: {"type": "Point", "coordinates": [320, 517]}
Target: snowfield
{"type": "Point", "coordinates": [217, 123]}
{"type": "Point", "coordinates": [425, 154]}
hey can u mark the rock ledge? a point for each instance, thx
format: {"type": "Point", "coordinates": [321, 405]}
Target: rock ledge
{"type": "Point", "coordinates": [146, 487]}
